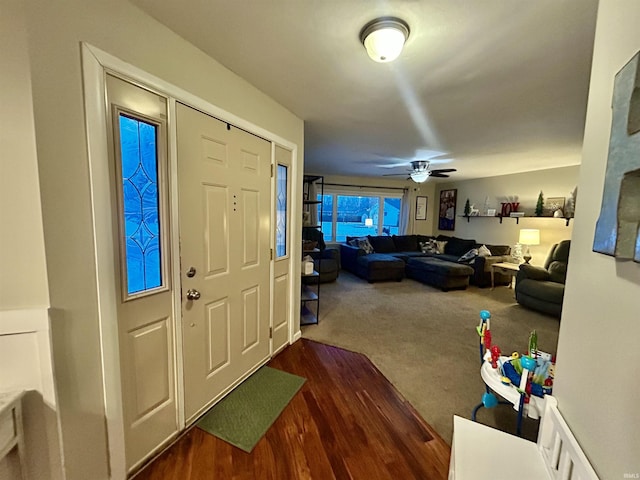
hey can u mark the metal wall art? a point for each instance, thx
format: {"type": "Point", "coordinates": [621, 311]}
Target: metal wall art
{"type": "Point", "coordinates": [617, 229]}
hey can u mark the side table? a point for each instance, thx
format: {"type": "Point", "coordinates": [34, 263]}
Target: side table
{"type": "Point", "coordinates": [11, 430]}
{"type": "Point", "coordinates": [506, 268]}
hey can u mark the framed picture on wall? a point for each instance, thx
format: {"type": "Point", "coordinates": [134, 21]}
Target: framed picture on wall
{"type": "Point", "coordinates": [447, 212]}
{"type": "Point", "coordinates": [421, 208]}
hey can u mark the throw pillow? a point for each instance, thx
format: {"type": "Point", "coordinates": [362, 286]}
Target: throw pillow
{"type": "Point", "coordinates": [459, 246]}
{"type": "Point", "coordinates": [469, 257]}
{"type": "Point", "coordinates": [382, 243]}
{"type": "Point", "coordinates": [484, 251]}
{"type": "Point", "coordinates": [430, 247]}
{"type": "Point", "coordinates": [440, 246]}
{"type": "Point", "coordinates": [364, 244]}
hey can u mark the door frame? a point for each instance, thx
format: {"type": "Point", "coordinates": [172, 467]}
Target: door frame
{"type": "Point", "coordinates": [95, 64]}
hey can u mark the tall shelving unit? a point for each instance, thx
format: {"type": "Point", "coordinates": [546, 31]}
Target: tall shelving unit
{"type": "Point", "coordinates": [310, 294]}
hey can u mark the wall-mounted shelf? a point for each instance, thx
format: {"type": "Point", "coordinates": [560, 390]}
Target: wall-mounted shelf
{"type": "Point", "coordinates": [517, 219]}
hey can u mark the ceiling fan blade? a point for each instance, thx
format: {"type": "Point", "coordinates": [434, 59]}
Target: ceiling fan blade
{"type": "Point", "coordinates": [393, 174]}
{"type": "Point", "coordinates": [438, 174]}
{"type": "Point", "coordinates": [443, 170]}
{"type": "Point", "coordinates": [394, 165]}
{"type": "Point", "coordinates": [433, 161]}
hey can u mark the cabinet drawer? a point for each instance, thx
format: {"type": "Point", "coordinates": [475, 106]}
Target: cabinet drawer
{"type": "Point", "coordinates": [8, 430]}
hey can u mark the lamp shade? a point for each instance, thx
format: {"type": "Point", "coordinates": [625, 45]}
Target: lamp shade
{"type": "Point", "coordinates": [384, 38]}
{"type": "Point", "coordinates": [529, 236]}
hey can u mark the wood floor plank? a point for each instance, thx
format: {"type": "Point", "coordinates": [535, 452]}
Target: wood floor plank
{"type": "Point", "coordinates": [346, 422]}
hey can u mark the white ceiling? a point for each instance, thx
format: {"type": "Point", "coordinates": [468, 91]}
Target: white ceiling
{"type": "Point", "coordinates": [499, 86]}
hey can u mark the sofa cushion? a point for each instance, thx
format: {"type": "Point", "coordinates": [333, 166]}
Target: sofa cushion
{"type": "Point", "coordinates": [459, 246]}
{"type": "Point", "coordinates": [439, 273]}
{"type": "Point", "coordinates": [382, 243]}
{"type": "Point", "coordinates": [406, 243]}
{"type": "Point", "coordinates": [441, 246]}
{"type": "Point", "coordinates": [549, 292]}
{"type": "Point", "coordinates": [483, 251]}
{"type": "Point", "coordinates": [380, 266]}
{"type": "Point", "coordinates": [499, 249]}
{"type": "Point", "coordinates": [533, 272]}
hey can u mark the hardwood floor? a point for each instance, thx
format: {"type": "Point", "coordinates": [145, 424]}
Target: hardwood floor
{"type": "Point", "coordinates": [346, 422]}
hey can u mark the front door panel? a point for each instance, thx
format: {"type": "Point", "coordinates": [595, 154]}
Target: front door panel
{"type": "Point", "coordinates": [145, 310]}
{"type": "Point", "coordinates": [224, 185]}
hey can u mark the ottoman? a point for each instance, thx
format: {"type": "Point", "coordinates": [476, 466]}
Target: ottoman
{"type": "Point", "coordinates": [378, 267]}
{"type": "Point", "coordinates": [439, 273]}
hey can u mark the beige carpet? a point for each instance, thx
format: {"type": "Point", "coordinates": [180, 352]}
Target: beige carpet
{"type": "Point", "coordinates": [424, 341]}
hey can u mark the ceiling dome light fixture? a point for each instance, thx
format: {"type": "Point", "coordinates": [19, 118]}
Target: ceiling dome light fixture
{"type": "Point", "coordinates": [384, 38]}
{"type": "Point", "coordinates": [419, 177]}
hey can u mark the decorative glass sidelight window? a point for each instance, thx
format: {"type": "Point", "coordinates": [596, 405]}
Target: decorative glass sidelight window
{"type": "Point", "coordinates": [281, 211]}
{"type": "Point", "coordinates": [140, 204]}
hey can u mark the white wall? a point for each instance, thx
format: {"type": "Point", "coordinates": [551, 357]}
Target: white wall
{"type": "Point", "coordinates": [25, 353]}
{"type": "Point", "coordinates": [55, 31]}
{"type": "Point", "coordinates": [556, 182]}
{"type": "Point", "coordinates": [23, 281]}
{"type": "Point", "coordinates": [598, 355]}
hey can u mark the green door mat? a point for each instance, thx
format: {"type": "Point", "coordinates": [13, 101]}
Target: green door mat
{"type": "Point", "coordinates": [245, 415]}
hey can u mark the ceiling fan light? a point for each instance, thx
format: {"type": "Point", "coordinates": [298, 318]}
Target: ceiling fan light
{"type": "Point", "coordinates": [419, 177]}
{"type": "Point", "coordinates": [384, 38]}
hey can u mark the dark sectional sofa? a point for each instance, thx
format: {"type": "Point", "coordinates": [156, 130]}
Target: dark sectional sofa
{"type": "Point", "coordinates": [395, 257]}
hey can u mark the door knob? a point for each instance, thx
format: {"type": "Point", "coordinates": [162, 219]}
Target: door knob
{"type": "Point", "coordinates": [193, 294]}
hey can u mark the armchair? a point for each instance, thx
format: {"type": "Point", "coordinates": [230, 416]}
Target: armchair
{"type": "Point", "coordinates": [541, 288]}
{"type": "Point", "coordinates": [326, 260]}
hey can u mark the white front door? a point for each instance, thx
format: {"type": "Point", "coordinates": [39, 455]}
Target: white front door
{"type": "Point", "coordinates": [138, 157]}
{"type": "Point", "coordinates": [224, 177]}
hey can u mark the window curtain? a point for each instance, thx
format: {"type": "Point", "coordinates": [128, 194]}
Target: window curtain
{"type": "Point", "coordinates": [403, 228]}
{"type": "Point", "coordinates": [313, 210]}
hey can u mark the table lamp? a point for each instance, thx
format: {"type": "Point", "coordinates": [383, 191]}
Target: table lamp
{"type": "Point", "coordinates": [529, 236]}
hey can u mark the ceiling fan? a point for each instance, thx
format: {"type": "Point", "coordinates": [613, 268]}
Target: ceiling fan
{"type": "Point", "coordinates": [420, 171]}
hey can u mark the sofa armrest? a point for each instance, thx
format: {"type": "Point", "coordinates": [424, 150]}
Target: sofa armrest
{"type": "Point", "coordinates": [349, 256]}
{"type": "Point", "coordinates": [532, 272]}
{"type": "Point", "coordinates": [331, 254]}
{"type": "Point", "coordinates": [483, 264]}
